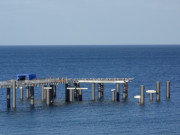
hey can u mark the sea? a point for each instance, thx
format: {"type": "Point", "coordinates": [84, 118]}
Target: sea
{"type": "Point", "coordinates": [147, 64]}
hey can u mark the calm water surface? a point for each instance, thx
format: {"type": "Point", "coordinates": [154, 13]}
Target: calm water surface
{"type": "Point", "coordinates": [146, 64]}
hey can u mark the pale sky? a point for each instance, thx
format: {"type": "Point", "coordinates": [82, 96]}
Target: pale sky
{"type": "Point", "coordinates": [89, 22]}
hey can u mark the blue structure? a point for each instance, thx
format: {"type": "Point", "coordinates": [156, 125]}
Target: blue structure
{"type": "Point", "coordinates": [21, 77]}
{"type": "Point", "coordinates": [26, 76]}
{"type": "Point", "coordinates": [30, 76]}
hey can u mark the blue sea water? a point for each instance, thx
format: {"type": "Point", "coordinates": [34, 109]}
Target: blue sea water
{"type": "Point", "coordinates": [146, 64]}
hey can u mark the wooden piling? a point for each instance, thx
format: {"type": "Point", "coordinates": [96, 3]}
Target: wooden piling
{"type": "Point", "coordinates": [14, 93]}
{"type": "Point", "coordinates": [93, 92]}
{"type": "Point", "coordinates": [157, 91]}
{"type": "Point", "coordinates": [99, 90]}
{"type": "Point", "coordinates": [80, 95]}
{"type": "Point", "coordinates": [113, 94]}
{"type": "Point", "coordinates": [48, 97]}
{"type": "Point", "coordinates": [21, 93]}
{"type": "Point", "coordinates": [125, 90]}
{"type": "Point", "coordinates": [142, 95]}
{"type": "Point", "coordinates": [167, 90]}
{"type": "Point", "coordinates": [54, 91]}
{"type": "Point", "coordinates": [27, 92]}
{"type": "Point", "coordinates": [32, 95]}
{"type": "Point", "coordinates": [117, 92]}
{"type": "Point", "coordinates": [8, 97]}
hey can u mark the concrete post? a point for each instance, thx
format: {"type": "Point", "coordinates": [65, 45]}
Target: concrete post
{"type": "Point", "coordinates": [117, 93]}
{"type": "Point", "coordinates": [67, 92]}
{"type": "Point", "coordinates": [151, 97]}
{"type": "Point", "coordinates": [102, 89]}
{"type": "Point", "coordinates": [93, 92]}
{"type": "Point", "coordinates": [157, 91]}
{"type": "Point", "coordinates": [51, 94]}
{"type": "Point", "coordinates": [99, 91]}
{"type": "Point", "coordinates": [27, 92]}
{"type": "Point", "coordinates": [45, 92]}
{"type": "Point", "coordinates": [54, 91]}
{"type": "Point", "coordinates": [80, 95]}
{"type": "Point", "coordinates": [71, 95]}
{"type": "Point", "coordinates": [125, 90]}
{"type": "Point", "coordinates": [42, 93]}
{"type": "Point", "coordinates": [142, 95]}
{"type": "Point", "coordinates": [48, 97]}
{"type": "Point", "coordinates": [167, 90]}
{"type": "Point", "coordinates": [21, 93]}
{"type": "Point", "coordinates": [14, 93]}
{"type": "Point", "coordinates": [75, 91]}
{"type": "Point", "coordinates": [32, 95]}
{"type": "Point", "coordinates": [8, 97]}
{"type": "Point", "coordinates": [113, 95]}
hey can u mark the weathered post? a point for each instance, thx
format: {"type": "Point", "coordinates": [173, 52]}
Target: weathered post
{"type": "Point", "coordinates": [157, 91]}
{"type": "Point", "coordinates": [125, 90]}
{"type": "Point", "coordinates": [45, 92]}
{"type": "Point", "coordinates": [75, 91]}
{"type": "Point", "coordinates": [113, 94]}
{"type": "Point", "coordinates": [14, 93]}
{"type": "Point", "coordinates": [80, 94]}
{"type": "Point", "coordinates": [71, 95]}
{"type": "Point", "coordinates": [32, 95]}
{"type": "Point", "coordinates": [51, 94]}
{"type": "Point", "coordinates": [117, 91]}
{"type": "Point", "coordinates": [27, 92]}
{"type": "Point", "coordinates": [99, 90]}
{"type": "Point", "coordinates": [54, 91]}
{"type": "Point", "coordinates": [93, 92]}
{"type": "Point", "coordinates": [42, 93]}
{"type": "Point", "coordinates": [8, 97]}
{"type": "Point", "coordinates": [67, 92]}
{"type": "Point", "coordinates": [21, 93]}
{"type": "Point", "coordinates": [167, 90]}
{"type": "Point", "coordinates": [48, 96]}
{"type": "Point", "coordinates": [102, 90]}
{"type": "Point", "coordinates": [151, 97]}
{"type": "Point", "coordinates": [142, 95]}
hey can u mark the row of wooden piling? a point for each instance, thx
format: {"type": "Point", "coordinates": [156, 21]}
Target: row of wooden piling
{"type": "Point", "coordinates": [78, 93]}
{"type": "Point", "coordinates": [48, 93]}
{"type": "Point", "coordinates": [142, 94]}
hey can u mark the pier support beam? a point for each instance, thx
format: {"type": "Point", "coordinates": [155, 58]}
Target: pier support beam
{"type": "Point", "coordinates": [80, 95]}
{"type": "Point", "coordinates": [21, 93]}
{"type": "Point", "coordinates": [51, 94]}
{"type": "Point", "coordinates": [113, 94]}
{"type": "Point", "coordinates": [102, 90]}
{"type": "Point", "coordinates": [167, 90]}
{"type": "Point", "coordinates": [75, 91]}
{"type": "Point", "coordinates": [8, 97]}
{"type": "Point", "coordinates": [151, 97]}
{"type": "Point", "coordinates": [93, 92]}
{"type": "Point", "coordinates": [27, 92]}
{"type": "Point", "coordinates": [117, 89]}
{"type": "Point", "coordinates": [125, 90]}
{"type": "Point", "coordinates": [54, 91]}
{"type": "Point", "coordinates": [67, 92]}
{"type": "Point", "coordinates": [157, 91]}
{"type": "Point", "coordinates": [71, 95]}
{"type": "Point", "coordinates": [42, 93]}
{"type": "Point", "coordinates": [14, 93]}
{"type": "Point", "coordinates": [99, 90]}
{"type": "Point", "coordinates": [48, 97]}
{"type": "Point", "coordinates": [142, 95]}
{"type": "Point", "coordinates": [32, 95]}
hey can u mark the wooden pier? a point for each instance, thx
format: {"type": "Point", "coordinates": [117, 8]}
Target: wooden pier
{"type": "Point", "coordinates": [49, 88]}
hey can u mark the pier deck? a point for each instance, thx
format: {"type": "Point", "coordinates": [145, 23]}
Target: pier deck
{"type": "Point", "coordinates": [56, 81]}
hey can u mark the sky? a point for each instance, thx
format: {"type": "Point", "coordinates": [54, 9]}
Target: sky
{"type": "Point", "coordinates": [89, 22]}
